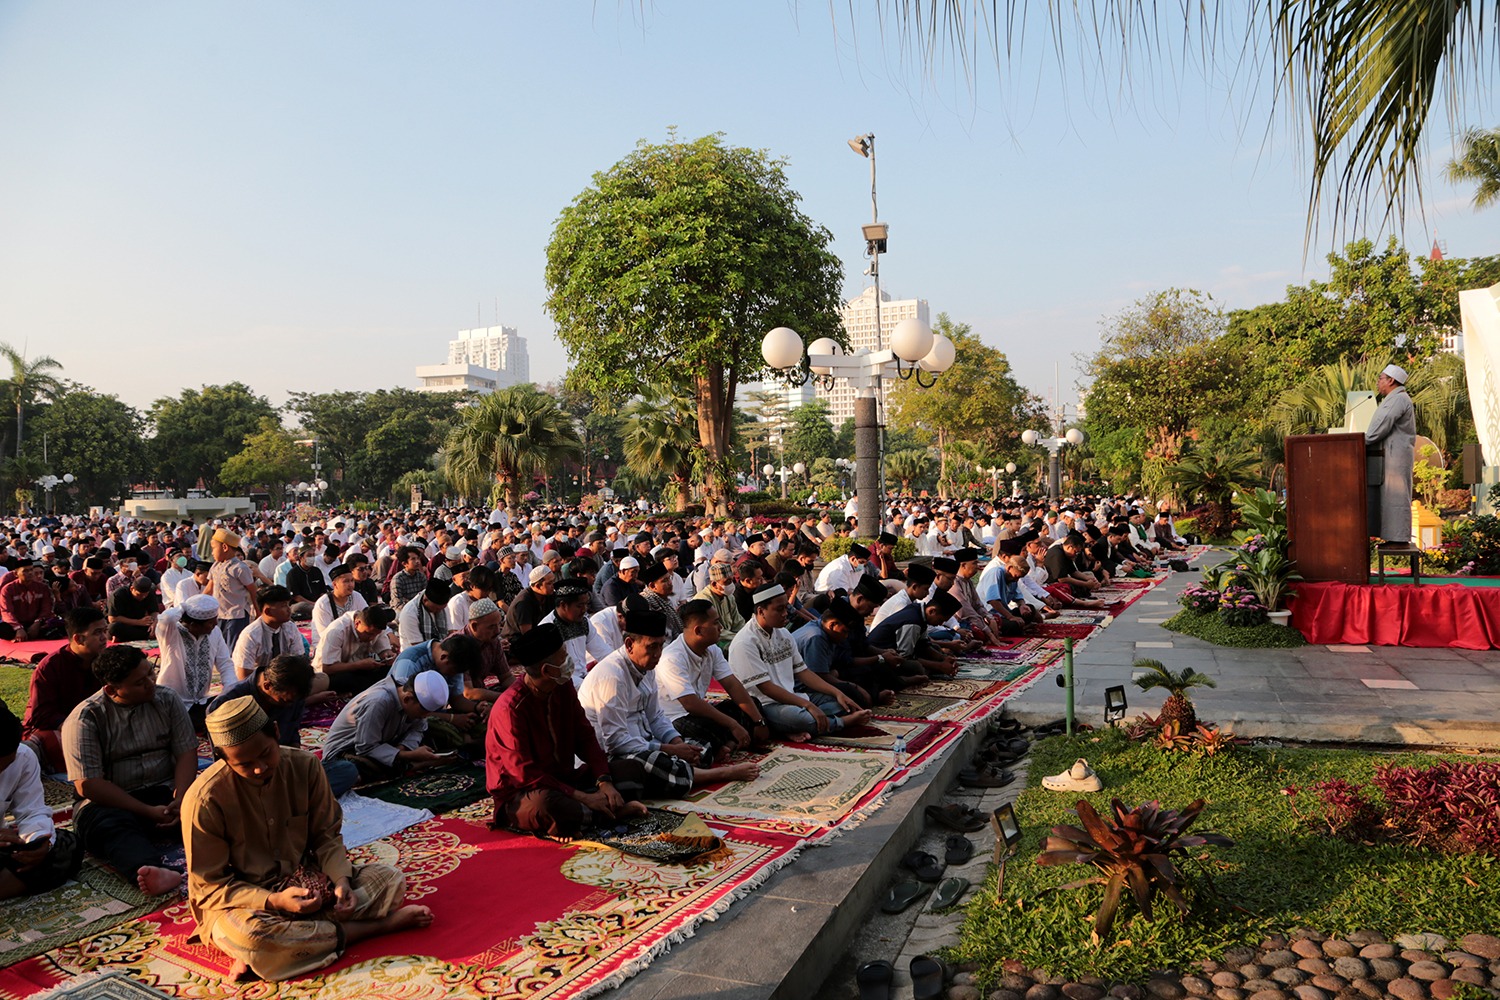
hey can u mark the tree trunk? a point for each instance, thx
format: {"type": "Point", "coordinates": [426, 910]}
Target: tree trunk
{"type": "Point", "coordinates": [684, 493]}
{"type": "Point", "coordinates": [20, 418]}
{"type": "Point", "coordinates": [715, 403]}
{"type": "Point", "coordinates": [942, 436]}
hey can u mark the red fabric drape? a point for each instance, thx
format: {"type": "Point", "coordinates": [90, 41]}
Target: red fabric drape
{"type": "Point", "coordinates": [1448, 616]}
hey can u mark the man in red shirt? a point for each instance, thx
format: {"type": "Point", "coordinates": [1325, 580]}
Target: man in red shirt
{"type": "Point", "coordinates": [62, 680]}
{"type": "Point", "coordinates": [26, 606]}
{"type": "Point", "coordinates": [535, 730]}
{"type": "Point", "coordinates": [93, 578]}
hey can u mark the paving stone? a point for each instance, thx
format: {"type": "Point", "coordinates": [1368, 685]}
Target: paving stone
{"type": "Point", "coordinates": [1380, 968]}
{"type": "Point", "coordinates": [1406, 989]}
{"type": "Point", "coordinates": [1005, 995]}
{"type": "Point", "coordinates": [1197, 986]}
{"type": "Point", "coordinates": [1309, 992]}
{"type": "Point", "coordinates": [1463, 960]}
{"type": "Point", "coordinates": [1229, 993]}
{"type": "Point", "coordinates": [1043, 991]}
{"type": "Point", "coordinates": [1242, 955]}
{"type": "Point", "coordinates": [1423, 941]}
{"type": "Point", "coordinates": [1363, 938]}
{"type": "Point", "coordinates": [1336, 948]}
{"type": "Point", "coordinates": [1307, 948]}
{"type": "Point", "coordinates": [1478, 977]}
{"type": "Point", "coordinates": [1417, 955]}
{"type": "Point", "coordinates": [1125, 991]}
{"type": "Point", "coordinates": [1018, 983]}
{"type": "Point", "coordinates": [1255, 970]}
{"type": "Point", "coordinates": [1082, 991]}
{"type": "Point", "coordinates": [1443, 989]}
{"type": "Point", "coordinates": [1483, 945]}
{"type": "Point", "coordinates": [1165, 989]}
{"type": "Point", "coordinates": [1260, 985]}
{"type": "Point", "coordinates": [1314, 966]}
{"type": "Point", "coordinates": [1368, 988]}
{"type": "Point", "coordinates": [1270, 995]}
{"type": "Point", "coordinates": [964, 992]}
{"type": "Point", "coordinates": [1331, 983]}
{"type": "Point", "coordinates": [1290, 976]}
{"type": "Point", "coordinates": [1280, 958]}
{"type": "Point", "coordinates": [1428, 971]}
{"type": "Point", "coordinates": [1227, 979]}
{"type": "Point", "coordinates": [1381, 950]}
{"type": "Point", "coordinates": [1358, 968]}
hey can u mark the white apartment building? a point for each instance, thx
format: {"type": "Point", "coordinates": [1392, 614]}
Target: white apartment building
{"type": "Point", "coordinates": [859, 325]}
{"type": "Point", "coordinates": [480, 361]}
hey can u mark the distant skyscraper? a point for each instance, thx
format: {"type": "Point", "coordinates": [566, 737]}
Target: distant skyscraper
{"type": "Point", "coordinates": [859, 325]}
{"type": "Point", "coordinates": [480, 360]}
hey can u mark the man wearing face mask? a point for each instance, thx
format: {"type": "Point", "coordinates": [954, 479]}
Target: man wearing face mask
{"type": "Point", "coordinates": [720, 593]}
{"type": "Point", "coordinates": [535, 731]}
{"type": "Point", "coordinates": [179, 568]}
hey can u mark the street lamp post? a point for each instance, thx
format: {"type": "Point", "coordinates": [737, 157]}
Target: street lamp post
{"type": "Point", "coordinates": [1053, 444]}
{"type": "Point", "coordinates": [48, 483]}
{"type": "Point", "coordinates": [845, 467]}
{"type": "Point", "coordinates": [1010, 470]}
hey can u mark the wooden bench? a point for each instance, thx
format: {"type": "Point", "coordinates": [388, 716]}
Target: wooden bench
{"type": "Point", "coordinates": [1410, 551]}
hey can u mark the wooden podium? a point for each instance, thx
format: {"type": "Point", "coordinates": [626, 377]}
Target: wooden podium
{"type": "Point", "coordinates": [1326, 505]}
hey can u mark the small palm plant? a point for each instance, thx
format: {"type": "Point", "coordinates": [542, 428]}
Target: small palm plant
{"type": "Point", "coordinates": [1178, 707]}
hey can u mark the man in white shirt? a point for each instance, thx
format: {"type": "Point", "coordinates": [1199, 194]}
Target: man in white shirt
{"type": "Point", "coordinates": [341, 600]}
{"type": "Point", "coordinates": [919, 580]}
{"type": "Point", "coordinates": [425, 617]}
{"type": "Point", "coordinates": [190, 650]}
{"type": "Point", "coordinates": [769, 665]}
{"type": "Point", "coordinates": [844, 572]}
{"type": "Point", "coordinates": [355, 651]}
{"type": "Point", "coordinates": [273, 559]}
{"type": "Point", "coordinates": [689, 664]}
{"type": "Point", "coordinates": [36, 856]}
{"type": "Point", "coordinates": [644, 748]}
{"type": "Point", "coordinates": [269, 635]}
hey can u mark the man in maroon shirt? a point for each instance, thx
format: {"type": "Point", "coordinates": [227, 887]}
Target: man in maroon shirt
{"type": "Point", "coordinates": [26, 605]}
{"type": "Point", "coordinates": [60, 682]}
{"type": "Point", "coordinates": [92, 578]}
{"type": "Point", "coordinates": [535, 730]}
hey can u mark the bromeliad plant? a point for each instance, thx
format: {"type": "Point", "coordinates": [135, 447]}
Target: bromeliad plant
{"type": "Point", "coordinates": [1138, 851]}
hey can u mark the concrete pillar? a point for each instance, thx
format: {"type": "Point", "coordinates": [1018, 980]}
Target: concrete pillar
{"type": "Point", "coordinates": [867, 485]}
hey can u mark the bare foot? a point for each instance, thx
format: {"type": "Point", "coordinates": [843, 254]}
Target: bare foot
{"type": "Point", "coordinates": [857, 718]}
{"type": "Point", "coordinates": [742, 772]}
{"type": "Point", "coordinates": [797, 737]}
{"type": "Point", "coordinates": [157, 881]}
{"type": "Point", "coordinates": [632, 810]}
{"type": "Point", "coordinates": [239, 971]}
{"type": "Point", "coordinates": [409, 917]}
{"type": "Point", "coordinates": [885, 697]}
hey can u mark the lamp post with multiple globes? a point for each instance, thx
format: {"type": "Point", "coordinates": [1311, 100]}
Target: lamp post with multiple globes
{"type": "Point", "coordinates": [1053, 444]}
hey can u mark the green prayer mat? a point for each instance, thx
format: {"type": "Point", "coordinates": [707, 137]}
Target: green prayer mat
{"type": "Point", "coordinates": [438, 789]}
{"type": "Point", "coordinates": [914, 706]}
{"type": "Point", "coordinates": [95, 901]}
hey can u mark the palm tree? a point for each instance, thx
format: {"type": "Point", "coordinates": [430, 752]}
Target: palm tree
{"type": "Point", "coordinates": [1439, 390]}
{"type": "Point", "coordinates": [29, 381]}
{"type": "Point", "coordinates": [906, 466]}
{"type": "Point", "coordinates": [661, 436]}
{"type": "Point", "coordinates": [508, 437]}
{"type": "Point", "coordinates": [1478, 160]}
{"type": "Point", "coordinates": [1178, 707]}
{"type": "Point", "coordinates": [1213, 475]}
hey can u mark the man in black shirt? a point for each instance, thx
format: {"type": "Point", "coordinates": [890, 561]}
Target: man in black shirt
{"type": "Point", "coordinates": [305, 581]}
{"type": "Point", "coordinates": [532, 604]}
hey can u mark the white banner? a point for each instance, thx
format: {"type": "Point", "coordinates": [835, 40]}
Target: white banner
{"type": "Point", "coordinates": [1480, 308]}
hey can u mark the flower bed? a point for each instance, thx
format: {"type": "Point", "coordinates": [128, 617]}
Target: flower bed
{"type": "Point", "coordinates": [1282, 872]}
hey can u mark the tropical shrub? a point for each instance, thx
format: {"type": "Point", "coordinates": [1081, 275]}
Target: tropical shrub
{"type": "Point", "coordinates": [1478, 543]}
{"type": "Point", "coordinates": [1269, 573]}
{"type": "Point", "coordinates": [834, 547]}
{"type": "Point", "coordinates": [1450, 806]}
{"type": "Point", "coordinates": [1199, 599]}
{"type": "Point", "coordinates": [1238, 606]}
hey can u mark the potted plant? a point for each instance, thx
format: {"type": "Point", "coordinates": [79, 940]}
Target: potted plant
{"type": "Point", "coordinates": [1270, 574]}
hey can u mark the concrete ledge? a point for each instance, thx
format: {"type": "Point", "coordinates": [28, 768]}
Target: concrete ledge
{"type": "Point", "coordinates": [782, 940]}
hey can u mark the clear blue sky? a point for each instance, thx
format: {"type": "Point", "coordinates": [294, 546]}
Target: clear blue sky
{"type": "Point", "coordinates": [317, 195]}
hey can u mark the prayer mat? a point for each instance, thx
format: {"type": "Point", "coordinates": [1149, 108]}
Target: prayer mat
{"type": "Point", "coordinates": [881, 735]}
{"type": "Point", "coordinates": [438, 789]}
{"type": "Point", "coordinates": [821, 787]}
{"type": "Point", "coordinates": [658, 836]}
{"type": "Point", "coordinates": [103, 986]}
{"type": "Point", "coordinates": [956, 687]}
{"type": "Point", "coordinates": [1051, 631]}
{"type": "Point", "coordinates": [96, 900]}
{"type": "Point", "coordinates": [917, 707]}
{"type": "Point", "coordinates": [367, 820]}
{"type": "Point", "coordinates": [322, 716]}
{"type": "Point", "coordinates": [29, 654]}
{"type": "Point", "coordinates": [570, 922]}
{"type": "Point", "coordinates": [1007, 670]}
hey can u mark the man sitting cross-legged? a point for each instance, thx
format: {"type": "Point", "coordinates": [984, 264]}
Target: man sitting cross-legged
{"type": "Point", "coordinates": [689, 664]}
{"type": "Point", "coordinates": [131, 756]}
{"type": "Point", "coordinates": [378, 735]}
{"type": "Point", "coordinates": [269, 879]}
{"type": "Point", "coordinates": [906, 632]}
{"type": "Point", "coordinates": [34, 856]}
{"type": "Point", "coordinates": [825, 649]}
{"type": "Point", "coordinates": [646, 752]}
{"type": "Point", "coordinates": [355, 652]}
{"type": "Point", "coordinates": [536, 730]}
{"type": "Point", "coordinates": [63, 679]}
{"type": "Point", "coordinates": [767, 661]}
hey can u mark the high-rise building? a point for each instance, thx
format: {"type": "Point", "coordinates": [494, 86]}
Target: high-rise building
{"type": "Point", "coordinates": [479, 360]}
{"type": "Point", "coordinates": [859, 325]}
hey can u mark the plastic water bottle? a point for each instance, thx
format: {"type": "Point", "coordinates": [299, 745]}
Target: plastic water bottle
{"type": "Point", "coordinates": [898, 753]}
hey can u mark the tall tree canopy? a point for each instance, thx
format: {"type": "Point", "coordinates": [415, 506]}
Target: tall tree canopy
{"type": "Point", "coordinates": [811, 436]}
{"type": "Point", "coordinates": [271, 458]}
{"type": "Point", "coordinates": [95, 438]}
{"type": "Point", "coordinates": [673, 264]}
{"type": "Point", "coordinates": [508, 438]}
{"type": "Point", "coordinates": [199, 429]}
{"type": "Point", "coordinates": [367, 440]}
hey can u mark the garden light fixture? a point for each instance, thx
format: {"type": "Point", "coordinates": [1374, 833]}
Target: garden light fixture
{"type": "Point", "coordinates": [1114, 704]}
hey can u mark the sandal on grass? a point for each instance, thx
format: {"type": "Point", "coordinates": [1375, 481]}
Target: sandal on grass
{"type": "Point", "coordinates": [957, 849]}
{"type": "Point", "coordinates": [923, 865]}
{"type": "Point", "coordinates": [874, 980]}
{"type": "Point", "coordinates": [927, 976]}
{"type": "Point", "coordinates": [903, 894]}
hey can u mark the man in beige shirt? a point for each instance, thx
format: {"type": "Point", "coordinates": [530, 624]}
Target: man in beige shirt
{"type": "Point", "coordinates": [269, 878]}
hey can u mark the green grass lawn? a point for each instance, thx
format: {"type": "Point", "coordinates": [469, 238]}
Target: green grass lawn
{"type": "Point", "coordinates": [1211, 628]}
{"type": "Point", "coordinates": [1279, 875]}
{"type": "Point", "coordinates": [14, 683]}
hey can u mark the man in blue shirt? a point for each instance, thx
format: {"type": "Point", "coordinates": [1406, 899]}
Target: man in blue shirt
{"type": "Point", "coordinates": [453, 658]}
{"type": "Point", "coordinates": [825, 650]}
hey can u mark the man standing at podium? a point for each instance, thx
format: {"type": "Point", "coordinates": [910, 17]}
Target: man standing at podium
{"type": "Point", "coordinates": [1394, 428]}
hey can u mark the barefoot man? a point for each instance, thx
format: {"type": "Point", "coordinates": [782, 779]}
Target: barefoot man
{"type": "Point", "coordinates": [269, 880]}
{"type": "Point", "coordinates": [535, 731]}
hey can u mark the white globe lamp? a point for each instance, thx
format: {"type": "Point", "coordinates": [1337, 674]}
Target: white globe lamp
{"type": "Point", "coordinates": [939, 357]}
{"type": "Point", "coordinates": [799, 468]}
{"type": "Point", "coordinates": [911, 340]}
{"type": "Point", "coordinates": [822, 347]}
{"type": "Point", "coordinates": [1076, 436]}
{"type": "Point", "coordinates": [1010, 467]}
{"type": "Point", "coordinates": [1030, 437]}
{"type": "Point", "coordinates": [768, 470]}
{"type": "Point", "coordinates": [782, 348]}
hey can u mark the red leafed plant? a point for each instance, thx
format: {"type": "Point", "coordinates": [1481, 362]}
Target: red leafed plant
{"type": "Point", "coordinates": [1135, 851]}
{"type": "Point", "coordinates": [1448, 806]}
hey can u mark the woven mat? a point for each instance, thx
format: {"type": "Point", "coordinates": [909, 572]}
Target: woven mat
{"type": "Point", "coordinates": [878, 735]}
{"type": "Point", "coordinates": [917, 707]}
{"type": "Point", "coordinates": [809, 785]}
{"type": "Point", "coordinates": [102, 986]}
{"type": "Point", "coordinates": [97, 900]}
{"type": "Point", "coordinates": [956, 687]}
{"type": "Point", "coordinates": [437, 789]}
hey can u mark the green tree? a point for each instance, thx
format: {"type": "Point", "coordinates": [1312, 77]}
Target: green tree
{"type": "Point", "coordinates": [97, 439]}
{"type": "Point", "coordinates": [29, 382]}
{"type": "Point", "coordinates": [977, 398]}
{"type": "Point", "coordinates": [672, 266]}
{"type": "Point", "coordinates": [913, 465]}
{"type": "Point", "coordinates": [345, 425]}
{"type": "Point", "coordinates": [508, 437]}
{"type": "Point", "coordinates": [271, 458]}
{"type": "Point", "coordinates": [811, 436]}
{"type": "Point", "coordinates": [660, 439]}
{"type": "Point", "coordinates": [1478, 163]}
{"type": "Point", "coordinates": [406, 440]}
{"type": "Point", "coordinates": [198, 430]}
{"type": "Point", "coordinates": [768, 428]}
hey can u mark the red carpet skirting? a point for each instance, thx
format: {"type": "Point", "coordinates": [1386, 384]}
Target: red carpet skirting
{"type": "Point", "coordinates": [1398, 615]}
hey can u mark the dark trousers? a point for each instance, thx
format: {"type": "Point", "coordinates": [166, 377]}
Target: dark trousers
{"type": "Point", "coordinates": [553, 813]}
{"type": "Point", "coordinates": [710, 734]}
{"type": "Point", "coordinates": [355, 681]}
{"type": "Point", "coordinates": [125, 840]}
{"type": "Point", "coordinates": [60, 864]}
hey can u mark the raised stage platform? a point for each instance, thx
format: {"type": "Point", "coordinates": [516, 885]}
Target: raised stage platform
{"type": "Point", "coordinates": [1446, 614]}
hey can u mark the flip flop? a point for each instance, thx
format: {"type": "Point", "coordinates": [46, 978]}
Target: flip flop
{"type": "Point", "coordinates": [957, 817]}
{"type": "Point", "coordinates": [971, 777]}
{"type": "Point", "coordinates": [949, 892]}
{"type": "Point", "coordinates": [923, 865]}
{"type": "Point", "coordinates": [874, 980]}
{"type": "Point", "coordinates": [957, 849]}
{"type": "Point", "coordinates": [903, 894]}
{"type": "Point", "coordinates": [927, 975]}
{"type": "Point", "coordinates": [1008, 744]}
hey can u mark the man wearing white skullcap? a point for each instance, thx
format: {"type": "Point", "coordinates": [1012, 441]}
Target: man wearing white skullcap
{"type": "Point", "coordinates": [191, 649]}
{"type": "Point", "coordinates": [380, 731]}
{"type": "Point", "coordinates": [1394, 429]}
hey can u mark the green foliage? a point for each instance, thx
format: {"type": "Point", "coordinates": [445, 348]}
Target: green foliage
{"type": "Point", "coordinates": [1278, 876]}
{"type": "Point", "coordinates": [674, 263]}
{"type": "Point", "coordinates": [30, 380]}
{"type": "Point", "coordinates": [1478, 162]}
{"type": "Point", "coordinates": [660, 439]}
{"type": "Point", "coordinates": [1177, 683]}
{"type": "Point", "coordinates": [1428, 476]}
{"type": "Point", "coordinates": [909, 469]}
{"type": "Point", "coordinates": [199, 429]}
{"type": "Point", "coordinates": [271, 458]}
{"type": "Point", "coordinates": [429, 482]}
{"type": "Point", "coordinates": [1212, 476]}
{"type": "Point", "coordinates": [835, 546]}
{"type": "Point", "coordinates": [1270, 574]}
{"type": "Point", "coordinates": [509, 437]}
{"type": "Point", "coordinates": [1478, 541]}
{"type": "Point", "coordinates": [367, 440]}
{"type": "Point", "coordinates": [811, 436]}
{"type": "Point", "coordinates": [96, 438]}
{"type": "Point", "coordinates": [15, 688]}
{"type": "Point", "coordinates": [1212, 628]}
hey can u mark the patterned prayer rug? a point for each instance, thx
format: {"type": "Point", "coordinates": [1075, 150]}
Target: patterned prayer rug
{"type": "Point", "coordinates": [809, 785]}
{"type": "Point", "coordinates": [96, 900]}
{"type": "Point", "coordinates": [956, 687]}
{"type": "Point", "coordinates": [882, 736]}
{"type": "Point", "coordinates": [1050, 630]}
{"type": "Point", "coordinates": [918, 707]}
{"type": "Point", "coordinates": [103, 986]}
{"type": "Point", "coordinates": [981, 670]}
{"type": "Point", "coordinates": [437, 789]}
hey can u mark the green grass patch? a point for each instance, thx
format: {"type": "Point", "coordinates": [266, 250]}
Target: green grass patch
{"type": "Point", "coordinates": [1279, 876]}
{"type": "Point", "coordinates": [1209, 627]}
{"type": "Point", "coordinates": [15, 685]}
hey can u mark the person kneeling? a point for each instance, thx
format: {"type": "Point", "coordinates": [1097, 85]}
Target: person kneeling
{"type": "Point", "coordinates": [378, 735]}
{"type": "Point", "coordinates": [646, 752]}
{"type": "Point", "coordinates": [269, 879]}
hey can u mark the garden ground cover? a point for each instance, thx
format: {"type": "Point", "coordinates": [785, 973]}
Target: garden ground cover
{"type": "Point", "coordinates": [1280, 875]}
